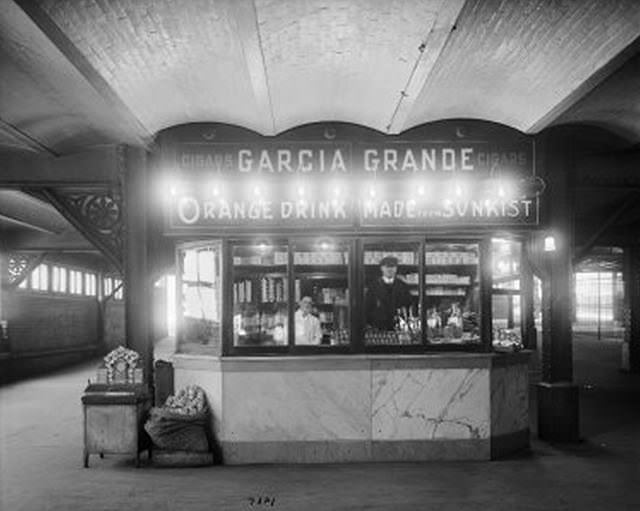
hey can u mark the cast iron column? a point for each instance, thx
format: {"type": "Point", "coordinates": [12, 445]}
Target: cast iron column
{"type": "Point", "coordinates": [631, 345]}
{"type": "Point", "coordinates": [137, 281]}
{"type": "Point", "coordinates": [558, 412]}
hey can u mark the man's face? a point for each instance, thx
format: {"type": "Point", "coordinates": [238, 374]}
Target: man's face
{"type": "Point", "coordinates": [305, 305]}
{"type": "Point", "coordinates": [389, 272]}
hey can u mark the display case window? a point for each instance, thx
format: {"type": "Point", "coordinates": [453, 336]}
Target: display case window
{"type": "Point", "coordinates": [391, 293]}
{"type": "Point", "coordinates": [343, 294]}
{"type": "Point", "coordinates": [452, 292]}
{"type": "Point", "coordinates": [260, 294]}
{"type": "Point", "coordinates": [200, 298]}
{"type": "Point", "coordinates": [506, 310]}
{"type": "Point", "coordinates": [321, 293]}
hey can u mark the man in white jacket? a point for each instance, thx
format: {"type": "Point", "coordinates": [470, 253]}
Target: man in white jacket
{"type": "Point", "coordinates": [307, 326]}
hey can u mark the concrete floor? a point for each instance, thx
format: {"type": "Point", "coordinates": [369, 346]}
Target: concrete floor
{"type": "Point", "coordinates": [41, 462]}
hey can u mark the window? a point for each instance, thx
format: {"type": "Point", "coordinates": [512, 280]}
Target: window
{"type": "Point", "coordinates": [201, 298]}
{"type": "Point", "coordinates": [59, 279]}
{"type": "Point", "coordinates": [108, 286]}
{"type": "Point", "coordinates": [40, 278]}
{"type": "Point", "coordinates": [260, 295]}
{"type": "Point", "coordinates": [89, 284]}
{"type": "Point", "coordinates": [321, 293]}
{"type": "Point", "coordinates": [506, 301]}
{"type": "Point", "coordinates": [118, 286]}
{"type": "Point", "coordinates": [452, 292]}
{"type": "Point", "coordinates": [392, 293]}
{"type": "Point", "coordinates": [24, 284]}
{"type": "Point", "coordinates": [340, 294]}
{"type": "Point", "coordinates": [75, 282]}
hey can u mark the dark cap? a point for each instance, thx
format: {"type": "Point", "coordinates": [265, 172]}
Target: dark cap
{"type": "Point", "coordinates": [389, 261]}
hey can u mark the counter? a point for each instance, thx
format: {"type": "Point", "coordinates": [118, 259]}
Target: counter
{"type": "Point", "coordinates": [348, 408]}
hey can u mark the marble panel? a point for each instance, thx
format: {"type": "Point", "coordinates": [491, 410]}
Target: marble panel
{"type": "Point", "coordinates": [509, 399]}
{"type": "Point", "coordinates": [327, 451]}
{"type": "Point", "coordinates": [430, 404]}
{"type": "Point", "coordinates": [296, 406]}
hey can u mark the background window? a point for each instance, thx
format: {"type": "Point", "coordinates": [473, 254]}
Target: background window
{"type": "Point", "coordinates": [89, 284]}
{"type": "Point", "coordinates": [108, 286]}
{"type": "Point", "coordinates": [40, 278]}
{"type": "Point", "coordinates": [119, 287]}
{"type": "Point", "coordinates": [75, 282]}
{"type": "Point", "coordinates": [321, 293]}
{"type": "Point", "coordinates": [260, 295]}
{"type": "Point", "coordinates": [59, 279]}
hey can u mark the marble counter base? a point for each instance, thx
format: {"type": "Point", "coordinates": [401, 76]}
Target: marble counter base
{"type": "Point", "coordinates": [238, 453]}
{"type": "Point", "coordinates": [375, 408]}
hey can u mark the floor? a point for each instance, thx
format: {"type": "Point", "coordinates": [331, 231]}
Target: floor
{"type": "Point", "coordinates": [41, 462]}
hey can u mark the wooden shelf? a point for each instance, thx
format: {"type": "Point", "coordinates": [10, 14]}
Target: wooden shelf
{"type": "Point", "coordinates": [377, 266]}
{"type": "Point", "coordinates": [255, 304]}
{"type": "Point", "coordinates": [451, 265]}
{"type": "Point", "coordinates": [320, 275]}
{"type": "Point", "coordinates": [264, 267]}
{"type": "Point", "coordinates": [316, 267]}
{"type": "Point", "coordinates": [451, 284]}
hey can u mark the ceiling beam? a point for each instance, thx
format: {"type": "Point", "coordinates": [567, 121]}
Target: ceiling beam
{"type": "Point", "coordinates": [246, 18]}
{"type": "Point", "coordinates": [582, 90]}
{"type": "Point", "coordinates": [77, 59]}
{"type": "Point", "coordinates": [429, 52]}
{"type": "Point", "coordinates": [22, 223]}
{"type": "Point", "coordinates": [24, 141]}
{"type": "Point", "coordinates": [97, 166]}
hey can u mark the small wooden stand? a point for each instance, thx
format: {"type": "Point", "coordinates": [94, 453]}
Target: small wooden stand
{"type": "Point", "coordinates": [114, 417]}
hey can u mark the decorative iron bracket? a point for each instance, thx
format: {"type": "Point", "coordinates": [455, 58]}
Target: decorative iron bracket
{"type": "Point", "coordinates": [98, 214]}
{"type": "Point", "coordinates": [17, 267]}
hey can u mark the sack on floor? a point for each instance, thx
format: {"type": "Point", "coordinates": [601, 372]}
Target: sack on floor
{"type": "Point", "coordinates": [181, 424]}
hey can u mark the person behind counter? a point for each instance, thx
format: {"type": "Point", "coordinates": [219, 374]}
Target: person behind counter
{"type": "Point", "coordinates": [387, 297]}
{"type": "Point", "coordinates": [307, 326]}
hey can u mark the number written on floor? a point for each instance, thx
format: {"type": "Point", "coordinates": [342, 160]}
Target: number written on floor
{"type": "Point", "coordinates": [263, 500]}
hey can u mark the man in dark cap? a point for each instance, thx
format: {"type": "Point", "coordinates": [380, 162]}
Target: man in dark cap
{"type": "Point", "coordinates": [387, 296]}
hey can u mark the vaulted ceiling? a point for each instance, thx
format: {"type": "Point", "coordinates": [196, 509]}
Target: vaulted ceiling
{"type": "Point", "coordinates": [76, 74]}
{"type": "Point", "coordinates": [79, 74]}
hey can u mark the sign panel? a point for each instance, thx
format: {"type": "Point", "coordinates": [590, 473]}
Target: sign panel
{"type": "Point", "coordinates": [343, 184]}
{"type": "Point", "coordinates": [395, 158]}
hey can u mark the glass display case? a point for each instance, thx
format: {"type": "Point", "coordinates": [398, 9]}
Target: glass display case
{"type": "Point", "coordinates": [200, 298]}
{"type": "Point", "coordinates": [452, 292]}
{"type": "Point", "coordinates": [299, 294]}
{"type": "Point", "coordinates": [506, 302]}
{"type": "Point", "coordinates": [321, 293]}
{"type": "Point", "coordinates": [392, 305]}
{"type": "Point", "coordinates": [260, 294]}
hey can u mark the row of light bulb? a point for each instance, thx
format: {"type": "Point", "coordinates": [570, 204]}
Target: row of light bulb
{"type": "Point", "coordinates": [371, 191]}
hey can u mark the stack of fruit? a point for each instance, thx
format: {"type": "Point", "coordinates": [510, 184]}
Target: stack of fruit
{"type": "Point", "coordinates": [189, 401]}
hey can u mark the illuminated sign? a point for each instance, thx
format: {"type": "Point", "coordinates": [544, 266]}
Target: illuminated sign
{"type": "Point", "coordinates": [386, 182]}
{"type": "Point", "coordinates": [346, 158]}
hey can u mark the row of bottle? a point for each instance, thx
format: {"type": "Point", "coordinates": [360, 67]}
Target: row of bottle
{"type": "Point", "coordinates": [375, 256]}
{"type": "Point", "coordinates": [438, 278]}
{"type": "Point", "coordinates": [450, 258]}
{"type": "Point", "coordinates": [270, 258]}
{"type": "Point", "coordinates": [272, 289]}
{"type": "Point", "coordinates": [320, 258]}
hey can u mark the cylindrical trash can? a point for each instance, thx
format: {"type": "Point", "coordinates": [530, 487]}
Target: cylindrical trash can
{"type": "Point", "coordinates": [163, 381]}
